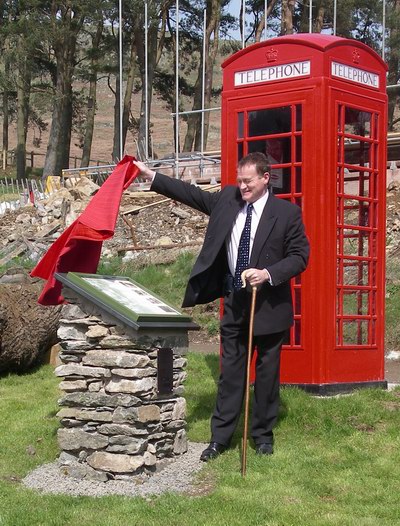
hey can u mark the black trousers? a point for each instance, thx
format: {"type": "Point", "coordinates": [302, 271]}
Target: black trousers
{"type": "Point", "coordinates": [232, 381]}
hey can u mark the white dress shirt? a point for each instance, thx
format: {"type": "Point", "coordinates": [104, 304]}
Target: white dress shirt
{"type": "Point", "coordinates": [232, 240]}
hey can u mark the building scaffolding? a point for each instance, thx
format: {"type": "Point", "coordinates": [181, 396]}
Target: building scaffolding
{"type": "Point", "coordinates": [201, 156]}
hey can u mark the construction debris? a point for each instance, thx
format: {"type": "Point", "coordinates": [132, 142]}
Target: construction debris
{"type": "Point", "coordinates": [145, 221]}
{"type": "Point", "coordinates": [150, 228]}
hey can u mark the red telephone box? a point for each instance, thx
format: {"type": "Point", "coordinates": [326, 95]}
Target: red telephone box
{"type": "Point", "coordinates": [317, 106]}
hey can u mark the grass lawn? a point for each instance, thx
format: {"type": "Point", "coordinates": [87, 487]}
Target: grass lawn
{"type": "Point", "coordinates": [336, 462]}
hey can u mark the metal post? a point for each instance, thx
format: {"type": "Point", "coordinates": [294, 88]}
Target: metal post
{"type": "Point", "coordinates": [383, 28]}
{"type": "Point", "coordinates": [334, 16]}
{"type": "Point", "coordinates": [203, 90]}
{"type": "Point", "coordinates": [121, 106]}
{"type": "Point", "coordinates": [265, 19]}
{"type": "Point", "coordinates": [146, 83]}
{"type": "Point", "coordinates": [310, 18]}
{"type": "Point", "coordinates": [177, 91]}
{"type": "Point", "coordinates": [243, 21]}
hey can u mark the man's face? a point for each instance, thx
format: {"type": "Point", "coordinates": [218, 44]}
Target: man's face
{"type": "Point", "coordinates": [252, 186]}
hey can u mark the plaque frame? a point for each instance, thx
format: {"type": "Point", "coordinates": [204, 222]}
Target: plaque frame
{"type": "Point", "coordinates": [135, 309]}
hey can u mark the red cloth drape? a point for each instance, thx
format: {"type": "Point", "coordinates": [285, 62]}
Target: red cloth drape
{"type": "Point", "coordinates": [78, 248]}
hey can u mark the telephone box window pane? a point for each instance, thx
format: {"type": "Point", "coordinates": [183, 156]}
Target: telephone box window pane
{"type": "Point", "coordinates": [298, 148]}
{"type": "Point", "coordinates": [256, 146]}
{"type": "Point", "coordinates": [356, 182]}
{"type": "Point", "coordinates": [340, 150]}
{"type": "Point", "coordinates": [373, 332]}
{"type": "Point", "coordinates": [240, 150]}
{"type": "Point", "coordinates": [281, 180]}
{"type": "Point", "coordinates": [299, 117]}
{"type": "Point", "coordinates": [356, 303]}
{"type": "Point", "coordinates": [355, 242]}
{"type": "Point", "coordinates": [355, 332]}
{"type": "Point", "coordinates": [298, 179]}
{"type": "Point", "coordinates": [355, 272]}
{"type": "Point", "coordinates": [240, 125]}
{"type": "Point", "coordinates": [357, 153]}
{"type": "Point", "coordinates": [297, 301]}
{"type": "Point", "coordinates": [278, 150]}
{"type": "Point", "coordinates": [356, 213]}
{"type": "Point", "coordinates": [269, 121]}
{"type": "Point", "coordinates": [297, 332]}
{"type": "Point", "coordinates": [373, 273]}
{"type": "Point", "coordinates": [357, 122]}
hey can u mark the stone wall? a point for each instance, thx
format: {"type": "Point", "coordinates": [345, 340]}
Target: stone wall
{"type": "Point", "coordinates": [114, 423]}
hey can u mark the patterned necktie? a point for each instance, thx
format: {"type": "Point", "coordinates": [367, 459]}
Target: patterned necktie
{"type": "Point", "coordinates": [242, 262]}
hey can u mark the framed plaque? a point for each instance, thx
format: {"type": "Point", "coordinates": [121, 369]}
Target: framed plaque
{"type": "Point", "coordinates": [127, 300]}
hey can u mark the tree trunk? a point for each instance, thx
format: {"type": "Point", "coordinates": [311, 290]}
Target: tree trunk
{"type": "Point", "coordinates": [305, 17]}
{"type": "Point", "coordinates": [5, 112]}
{"type": "Point", "coordinates": [194, 119]}
{"type": "Point", "coordinates": [91, 103]}
{"type": "Point", "coordinates": [261, 25]}
{"type": "Point", "coordinates": [287, 16]}
{"type": "Point", "coordinates": [66, 28]}
{"type": "Point", "coordinates": [153, 56]}
{"type": "Point", "coordinates": [90, 115]}
{"type": "Point", "coordinates": [211, 49]}
{"type": "Point", "coordinates": [53, 161]}
{"type": "Point", "coordinates": [319, 20]}
{"type": "Point", "coordinates": [116, 149]}
{"type": "Point", "coordinates": [27, 329]}
{"type": "Point", "coordinates": [209, 71]}
{"type": "Point", "coordinates": [65, 138]}
{"type": "Point", "coordinates": [128, 93]}
{"type": "Point", "coordinates": [23, 93]}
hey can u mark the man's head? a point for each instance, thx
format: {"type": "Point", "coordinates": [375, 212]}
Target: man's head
{"type": "Point", "coordinates": [253, 176]}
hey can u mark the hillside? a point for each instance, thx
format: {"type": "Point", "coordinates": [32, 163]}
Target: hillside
{"type": "Point", "coordinates": [161, 129]}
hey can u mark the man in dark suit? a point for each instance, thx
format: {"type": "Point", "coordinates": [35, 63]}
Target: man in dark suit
{"type": "Point", "coordinates": [277, 250]}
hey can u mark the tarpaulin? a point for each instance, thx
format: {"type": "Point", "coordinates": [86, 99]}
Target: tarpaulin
{"type": "Point", "coordinates": [78, 248]}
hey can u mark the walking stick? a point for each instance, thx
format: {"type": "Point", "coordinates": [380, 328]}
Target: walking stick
{"type": "Point", "coordinates": [247, 391]}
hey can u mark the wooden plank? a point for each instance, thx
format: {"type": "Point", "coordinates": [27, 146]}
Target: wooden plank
{"type": "Point", "coordinates": [48, 230]}
{"type": "Point", "coordinates": [18, 248]}
{"type": "Point", "coordinates": [134, 209]}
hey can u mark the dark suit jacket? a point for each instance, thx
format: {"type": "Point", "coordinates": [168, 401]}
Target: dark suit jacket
{"type": "Point", "coordinates": [280, 246]}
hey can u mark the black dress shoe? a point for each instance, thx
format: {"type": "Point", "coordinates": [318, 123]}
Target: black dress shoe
{"type": "Point", "coordinates": [264, 449]}
{"type": "Point", "coordinates": [212, 451]}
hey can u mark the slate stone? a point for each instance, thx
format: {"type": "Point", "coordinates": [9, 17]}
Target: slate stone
{"type": "Point", "coordinates": [114, 462]}
{"type": "Point", "coordinates": [98, 400]}
{"type": "Point", "coordinates": [76, 439]}
{"type": "Point", "coordinates": [113, 358]}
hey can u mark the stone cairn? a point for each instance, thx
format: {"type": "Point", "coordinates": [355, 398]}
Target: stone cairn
{"type": "Point", "coordinates": [115, 425]}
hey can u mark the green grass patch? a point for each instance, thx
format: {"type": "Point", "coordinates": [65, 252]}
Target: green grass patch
{"type": "Point", "coordinates": [336, 461]}
{"type": "Point", "coordinates": [392, 317]}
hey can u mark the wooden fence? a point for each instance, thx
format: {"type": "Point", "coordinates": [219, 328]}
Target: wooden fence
{"type": "Point", "coordinates": [36, 159]}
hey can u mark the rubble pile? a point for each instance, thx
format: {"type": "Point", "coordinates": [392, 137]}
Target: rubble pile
{"type": "Point", "coordinates": [393, 218]}
{"type": "Point", "coordinates": [150, 227]}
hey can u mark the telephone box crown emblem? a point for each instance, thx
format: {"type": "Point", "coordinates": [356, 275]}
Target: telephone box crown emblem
{"type": "Point", "coordinates": [356, 56]}
{"type": "Point", "coordinates": [271, 54]}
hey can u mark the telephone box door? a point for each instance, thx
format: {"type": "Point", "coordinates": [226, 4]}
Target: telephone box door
{"type": "Point", "coordinates": [359, 251]}
{"type": "Point", "coordinates": [277, 129]}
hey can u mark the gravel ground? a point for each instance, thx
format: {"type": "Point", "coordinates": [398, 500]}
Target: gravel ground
{"type": "Point", "coordinates": [176, 476]}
